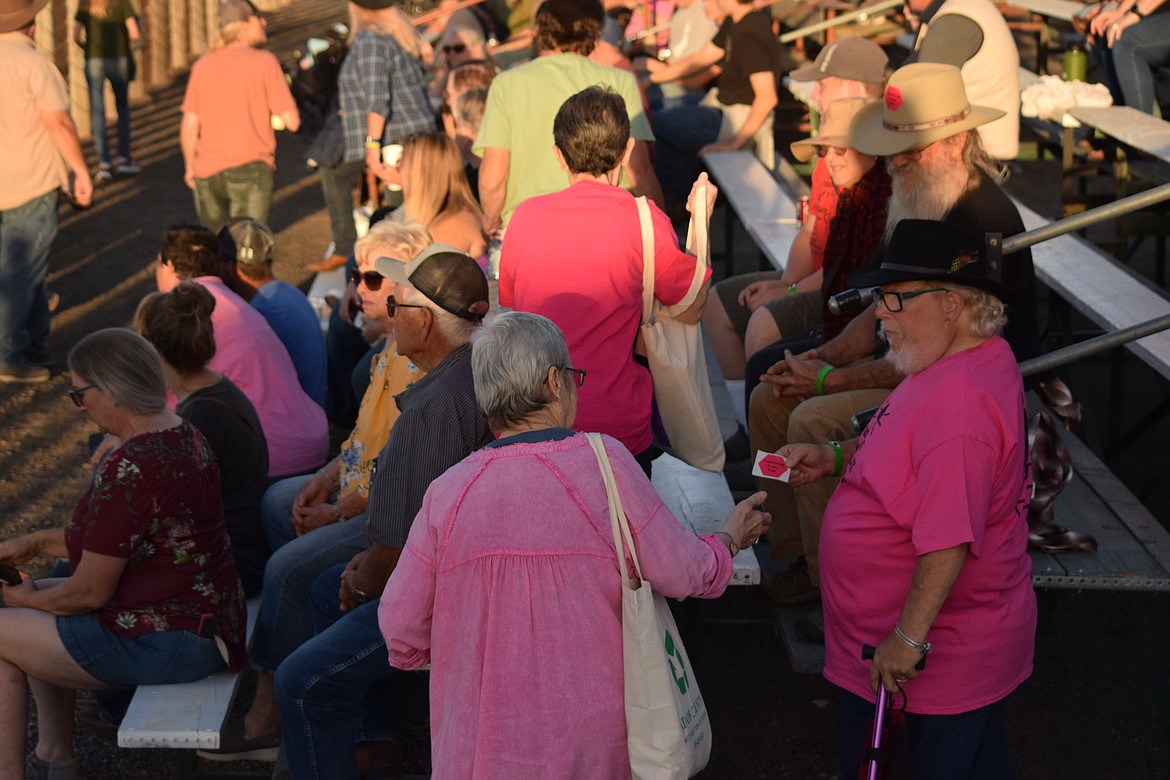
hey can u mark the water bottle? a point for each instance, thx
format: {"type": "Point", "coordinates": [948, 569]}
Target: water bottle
{"type": "Point", "coordinates": [1074, 63]}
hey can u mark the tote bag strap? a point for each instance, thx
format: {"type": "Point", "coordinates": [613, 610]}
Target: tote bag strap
{"type": "Point", "coordinates": [699, 246]}
{"type": "Point", "coordinates": [617, 515]}
{"type": "Point", "coordinates": [647, 257]}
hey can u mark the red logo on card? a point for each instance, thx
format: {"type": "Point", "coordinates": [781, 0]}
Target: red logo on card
{"type": "Point", "coordinates": [893, 98]}
{"type": "Point", "coordinates": [773, 466]}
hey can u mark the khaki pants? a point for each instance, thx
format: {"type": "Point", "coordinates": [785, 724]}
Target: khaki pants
{"type": "Point", "coordinates": [797, 513]}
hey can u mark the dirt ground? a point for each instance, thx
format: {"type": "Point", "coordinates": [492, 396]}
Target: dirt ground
{"type": "Point", "coordinates": [1091, 710]}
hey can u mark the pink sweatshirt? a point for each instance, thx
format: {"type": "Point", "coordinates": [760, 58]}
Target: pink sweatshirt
{"type": "Point", "coordinates": [509, 586]}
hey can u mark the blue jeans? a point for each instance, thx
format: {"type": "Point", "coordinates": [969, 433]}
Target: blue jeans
{"type": "Point", "coordinates": [322, 688]}
{"type": "Point", "coordinates": [285, 621]}
{"type": "Point", "coordinates": [672, 95]}
{"type": "Point", "coordinates": [156, 658]}
{"type": "Point", "coordinates": [243, 191]}
{"type": "Point", "coordinates": [968, 746]}
{"type": "Point", "coordinates": [1129, 64]}
{"type": "Point", "coordinates": [679, 135]}
{"type": "Point", "coordinates": [116, 70]}
{"type": "Point", "coordinates": [337, 185]}
{"type": "Point", "coordinates": [26, 235]}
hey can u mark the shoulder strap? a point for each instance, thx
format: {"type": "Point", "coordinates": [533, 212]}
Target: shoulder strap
{"type": "Point", "coordinates": [617, 515]}
{"type": "Point", "coordinates": [647, 257]}
{"type": "Point", "coordinates": [698, 245]}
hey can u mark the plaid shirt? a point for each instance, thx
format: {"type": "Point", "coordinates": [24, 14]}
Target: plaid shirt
{"type": "Point", "coordinates": [854, 237]}
{"type": "Point", "coordinates": [379, 77]}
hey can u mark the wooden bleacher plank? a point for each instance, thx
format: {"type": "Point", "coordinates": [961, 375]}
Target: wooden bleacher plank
{"type": "Point", "coordinates": [701, 501]}
{"type": "Point", "coordinates": [774, 238]}
{"type": "Point", "coordinates": [185, 715]}
{"type": "Point", "coordinates": [1131, 127]}
{"type": "Point", "coordinates": [1064, 10]}
{"type": "Point", "coordinates": [749, 187]}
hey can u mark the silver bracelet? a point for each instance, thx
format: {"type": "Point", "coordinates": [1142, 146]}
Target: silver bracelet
{"type": "Point", "coordinates": [732, 547]}
{"type": "Point", "coordinates": [922, 647]}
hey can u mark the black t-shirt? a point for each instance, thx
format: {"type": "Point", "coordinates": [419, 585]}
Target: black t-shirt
{"type": "Point", "coordinates": [748, 47]}
{"type": "Point", "coordinates": [227, 419]}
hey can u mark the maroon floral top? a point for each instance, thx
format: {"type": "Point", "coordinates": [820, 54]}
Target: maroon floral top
{"type": "Point", "coordinates": [156, 502]}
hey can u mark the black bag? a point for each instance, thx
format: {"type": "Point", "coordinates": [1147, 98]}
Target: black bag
{"type": "Point", "coordinates": [328, 148]}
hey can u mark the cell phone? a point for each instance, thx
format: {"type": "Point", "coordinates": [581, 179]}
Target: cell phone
{"type": "Point", "coordinates": [9, 575]}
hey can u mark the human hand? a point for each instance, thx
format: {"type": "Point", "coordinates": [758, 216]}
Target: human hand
{"type": "Point", "coordinates": [712, 194]}
{"type": "Point", "coordinates": [20, 550]}
{"type": "Point", "coordinates": [348, 299]}
{"type": "Point", "coordinates": [189, 178]}
{"type": "Point", "coordinates": [746, 524]}
{"type": "Point", "coordinates": [374, 159]}
{"type": "Point", "coordinates": [807, 462]}
{"type": "Point", "coordinates": [347, 592]}
{"type": "Point", "coordinates": [893, 664]}
{"type": "Point", "coordinates": [1108, 24]}
{"type": "Point", "coordinates": [17, 595]}
{"type": "Point", "coordinates": [82, 188]}
{"type": "Point", "coordinates": [313, 517]}
{"type": "Point", "coordinates": [757, 294]}
{"type": "Point", "coordinates": [795, 375]}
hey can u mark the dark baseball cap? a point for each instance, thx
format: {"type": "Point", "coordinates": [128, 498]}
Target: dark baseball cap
{"type": "Point", "coordinates": [449, 278]}
{"type": "Point", "coordinates": [247, 241]}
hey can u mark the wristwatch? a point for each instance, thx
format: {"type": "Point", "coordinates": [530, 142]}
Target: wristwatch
{"type": "Point", "coordinates": [373, 143]}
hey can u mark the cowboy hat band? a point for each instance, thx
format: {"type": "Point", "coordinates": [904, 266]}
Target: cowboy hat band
{"type": "Point", "coordinates": [948, 120]}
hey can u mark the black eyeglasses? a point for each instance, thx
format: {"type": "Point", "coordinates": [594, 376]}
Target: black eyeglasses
{"type": "Point", "coordinates": [578, 374]}
{"type": "Point", "coordinates": [895, 300]}
{"type": "Point", "coordinates": [77, 394]}
{"type": "Point", "coordinates": [455, 48]}
{"type": "Point", "coordinates": [914, 154]}
{"type": "Point", "coordinates": [823, 151]}
{"type": "Point", "coordinates": [392, 304]}
{"type": "Point", "coordinates": [373, 279]}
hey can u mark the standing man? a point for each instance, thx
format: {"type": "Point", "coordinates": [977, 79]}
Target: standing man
{"type": "Point", "coordinates": [973, 36]}
{"type": "Point", "coordinates": [41, 150]}
{"type": "Point", "coordinates": [233, 97]}
{"type": "Point", "coordinates": [925, 544]}
{"type": "Point", "coordinates": [515, 140]}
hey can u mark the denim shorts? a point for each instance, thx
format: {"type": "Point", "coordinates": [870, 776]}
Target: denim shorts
{"type": "Point", "coordinates": [157, 658]}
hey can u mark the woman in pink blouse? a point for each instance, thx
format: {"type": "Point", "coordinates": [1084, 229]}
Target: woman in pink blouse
{"type": "Point", "coordinates": [509, 585]}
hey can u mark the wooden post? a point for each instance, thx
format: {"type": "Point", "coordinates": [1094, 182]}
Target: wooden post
{"type": "Point", "coordinates": [138, 85]}
{"type": "Point", "coordinates": [177, 11]}
{"type": "Point", "coordinates": [160, 43]}
{"type": "Point", "coordinates": [211, 23]}
{"type": "Point", "coordinates": [198, 28]}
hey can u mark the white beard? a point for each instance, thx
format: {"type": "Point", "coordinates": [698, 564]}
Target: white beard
{"type": "Point", "coordinates": [924, 192]}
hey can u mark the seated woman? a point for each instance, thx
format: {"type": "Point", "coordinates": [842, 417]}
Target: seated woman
{"type": "Point", "coordinates": [436, 193]}
{"type": "Point", "coordinates": [1131, 41]}
{"type": "Point", "coordinates": [317, 521]}
{"type": "Point", "coordinates": [178, 325]}
{"type": "Point", "coordinates": [152, 585]}
{"type": "Point", "coordinates": [576, 257]}
{"type": "Point", "coordinates": [516, 539]}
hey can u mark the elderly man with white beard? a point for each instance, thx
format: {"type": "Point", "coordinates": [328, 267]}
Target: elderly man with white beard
{"type": "Point", "coordinates": [924, 128]}
{"type": "Point", "coordinates": [924, 548]}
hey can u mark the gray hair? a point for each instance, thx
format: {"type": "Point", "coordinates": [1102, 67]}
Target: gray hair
{"type": "Point", "coordinates": [510, 358]}
{"type": "Point", "coordinates": [124, 366]}
{"type": "Point", "coordinates": [455, 330]}
{"type": "Point", "coordinates": [988, 314]}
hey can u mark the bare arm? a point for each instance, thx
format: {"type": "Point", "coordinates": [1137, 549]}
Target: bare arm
{"type": "Point", "coordinates": [493, 186]}
{"type": "Point", "coordinates": [292, 120]}
{"type": "Point", "coordinates": [641, 173]}
{"type": "Point", "coordinates": [705, 57]}
{"type": "Point", "coordinates": [188, 137]}
{"type": "Point", "coordinates": [50, 541]}
{"type": "Point", "coordinates": [856, 341]}
{"type": "Point", "coordinates": [79, 34]}
{"type": "Point", "coordinates": [934, 574]}
{"type": "Point", "coordinates": [764, 87]}
{"type": "Point", "coordinates": [64, 134]}
{"type": "Point", "coordinates": [91, 587]}
{"type": "Point", "coordinates": [133, 31]}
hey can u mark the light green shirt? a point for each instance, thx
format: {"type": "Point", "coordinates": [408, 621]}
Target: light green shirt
{"type": "Point", "coordinates": [521, 106]}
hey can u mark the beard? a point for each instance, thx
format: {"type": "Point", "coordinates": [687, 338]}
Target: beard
{"type": "Point", "coordinates": [924, 190]}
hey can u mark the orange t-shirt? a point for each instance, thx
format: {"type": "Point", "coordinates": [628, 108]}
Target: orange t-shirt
{"type": "Point", "coordinates": [234, 92]}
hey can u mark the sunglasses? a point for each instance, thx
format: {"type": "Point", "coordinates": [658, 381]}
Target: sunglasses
{"type": "Point", "coordinates": [455, 48]}
{"type": "Point", "coordinates": [373, 279]}
{"type": "Point", "coordinates": [392, 304]}
{"type": "Point", "coordinates": [77, 394]}
{"type": "Point", "coordinates": [823, 151]}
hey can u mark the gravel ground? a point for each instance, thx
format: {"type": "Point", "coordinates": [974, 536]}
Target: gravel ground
{"type": "Point", "coordinates": [1091, 710]}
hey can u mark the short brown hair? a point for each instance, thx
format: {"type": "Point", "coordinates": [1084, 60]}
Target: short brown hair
{"type": "Point", "coordinates": [191, 250]}
{"type": "Point", "coordinates": [591, 130]}
{"type": "Point", "coordinates": [571, 26]}
{"type": "Point", "coordinates": [178, 324]}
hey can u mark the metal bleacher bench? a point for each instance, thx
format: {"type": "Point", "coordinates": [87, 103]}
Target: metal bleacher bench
{"type": "Point", "coordinates": [187, 716]}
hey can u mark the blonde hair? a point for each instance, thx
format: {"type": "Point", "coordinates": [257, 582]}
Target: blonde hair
{"type": "Point", "coordinates": [433, 181]}
{"type": "Point", "coordinates": [391, 21]}
{"type": "Point", "coordinates": [400, 240]}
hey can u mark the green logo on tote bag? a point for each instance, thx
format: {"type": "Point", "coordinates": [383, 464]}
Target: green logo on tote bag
{"type": "Point", "coordinates": [677, 669]}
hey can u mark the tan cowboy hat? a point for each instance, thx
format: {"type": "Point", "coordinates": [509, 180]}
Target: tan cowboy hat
{"type": "Point", "coordinates": [923, 102]}
{"type": "Point", "coordinates": [15, 14]}
{"type": "Point", "coordinates": [834, 130]}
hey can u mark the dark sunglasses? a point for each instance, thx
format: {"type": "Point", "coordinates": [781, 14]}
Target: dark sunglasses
{"type": "Point", "coordinates": [578, 374]}
{"type": "Point", "coordinates": [823, 151]}
{"type": "Point", "coordinates": [77, 394]}
{"type": "Point", "coordinates": [373, 279]}
{"type": "Point", "coordinates": [392, 304]}
{"type": "Point", "coordinates": [455, 48]}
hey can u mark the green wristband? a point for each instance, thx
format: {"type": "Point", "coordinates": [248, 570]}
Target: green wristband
{"type": "Point", "coordinates": [821, 378]}
{"type": "Point", "coordinates": [838, 458]}
{"type": "Point", "coordinates": [792, 289]}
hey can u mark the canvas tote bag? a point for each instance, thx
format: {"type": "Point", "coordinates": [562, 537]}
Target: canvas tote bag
{"type": "Point", "coordinates": [666, 717]}
{"type": "Point", "coordinates": [674, 350]}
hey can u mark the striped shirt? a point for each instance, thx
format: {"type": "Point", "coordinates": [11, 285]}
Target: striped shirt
{"type": "Point", "coordinates": [439, 426]}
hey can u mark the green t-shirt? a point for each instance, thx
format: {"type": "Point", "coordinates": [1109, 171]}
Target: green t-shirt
{"type": "Point", "coordinates": [521, 106]}
{"type": "Point", "coordinates": [106, 36]}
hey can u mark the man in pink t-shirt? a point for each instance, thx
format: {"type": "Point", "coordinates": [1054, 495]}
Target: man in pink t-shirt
{"type": "Point", "coordinates": [924, 545]}
{"type": "Point", "coordinates": [575, 257]}
{"type": "Point", "coordinates": [235, 97]}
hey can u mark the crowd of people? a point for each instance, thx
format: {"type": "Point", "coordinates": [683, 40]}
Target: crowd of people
{"type": "Point", "coordinates": [463, 522]}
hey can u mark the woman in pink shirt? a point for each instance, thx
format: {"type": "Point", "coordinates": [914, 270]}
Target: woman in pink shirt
{"type": "Point", "coordinates": [509, 585]}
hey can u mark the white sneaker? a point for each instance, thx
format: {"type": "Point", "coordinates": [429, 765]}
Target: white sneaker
{"type": "Point", "coordinates": [127, 168]}
{"type": "Point", "coordinates": [103, 174]}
